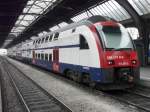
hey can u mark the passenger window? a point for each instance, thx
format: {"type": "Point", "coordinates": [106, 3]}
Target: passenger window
{"type": "Point", "coordinates": [36, 41]}
{"type": "Point", "coordinates": [42, 56]}
{"type": "Point", "coordinates": [42, 40]}
{"type": "Point", "coordinates": [36, 56]}
{"type": "Point", "coordinates": [50, 38]}
{"type": "Point", "coordinates": [46, 57]}
{"type": "Point", "coordinates": [56, 36]}
{"type": "Point", "coordinates": [39, 41]}
{"type": "Point", "coordinates": [83, 43]}
{"type": "Point", "coordinates": [73, 30]}
{"type": "Point", "coordinates": [39, 56]}
{"type": "Point", "coordinates": [50, 57]}
{"type": "Point", "coordinates": [46, 39]}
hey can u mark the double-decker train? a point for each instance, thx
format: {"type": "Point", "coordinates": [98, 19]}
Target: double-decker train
{"type": "Point", "coordinates": [149, 56]}
{"type": "Point", "coordinates": [97, 50]}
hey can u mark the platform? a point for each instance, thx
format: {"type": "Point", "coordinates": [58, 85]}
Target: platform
{"type": "Point", "coordinates": [0, 100]}
{"type": "Point", "coordinates": [145, 76]}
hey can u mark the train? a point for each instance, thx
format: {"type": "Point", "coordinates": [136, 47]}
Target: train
{"type": "Point", "coordinates": [149, 56]}
{"type": "Point", "coordinates": [97, 51]}
{"type": "Point", "coordinates": [3, 52]}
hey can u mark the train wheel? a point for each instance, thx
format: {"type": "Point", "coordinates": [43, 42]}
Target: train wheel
{"type": "Point", "coordinates": [92, 84]}
{"type": "Point", "coordinates": [85, 78]}
{"type": "Point", "coordinates": [78, 77]}
{"type": "Point", "coordinates": [75, 76]}
{"type": "Point", "coordinates": [69, 74]}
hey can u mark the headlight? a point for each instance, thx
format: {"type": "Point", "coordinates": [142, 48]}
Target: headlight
{"type": "Point", "coordinates": [134, 62]}
{"type": "Point", "coordinates": [110, 62]}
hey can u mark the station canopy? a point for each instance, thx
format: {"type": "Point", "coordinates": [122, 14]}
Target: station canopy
{"type": "Point", "coordinates": [36, 9]}
{"type": "Point", "coordinates": [31, 12]}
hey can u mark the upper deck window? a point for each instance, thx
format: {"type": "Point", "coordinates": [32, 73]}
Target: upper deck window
{"type": "Point", "coordinates": [56, 36]}
{"type": "Point", "coordinates": [42, 40]}
{"type": "Point", "coordinates": [73, 30]}
{"type": "Point", "coordinates": [39, 41]}
{"type": "Point", "coordinates": [50, 37]}
{"type": "Point", "coordinates": [36, 41]}
{"type": "Point", "coordinates": [46, 39]}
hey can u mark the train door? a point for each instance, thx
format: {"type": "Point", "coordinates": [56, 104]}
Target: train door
{"type": "Point", "coordinates": [84, 54]}
{"type": "Point", "coordinates": [33, 57]}
{"type": "Point", "coordinates": [56, 60]}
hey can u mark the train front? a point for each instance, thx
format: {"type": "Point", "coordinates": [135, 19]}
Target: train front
{"type": "Point", "coordinates": [118, 56]}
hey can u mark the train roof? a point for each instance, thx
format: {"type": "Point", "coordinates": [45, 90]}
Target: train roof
{"type": "Point", "coordinates": [88, 21]}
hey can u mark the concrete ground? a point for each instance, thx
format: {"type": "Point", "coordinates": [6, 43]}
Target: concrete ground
{"type": "Point", "coordinates": [75, 97]}
{"type": "Point", "coordinates": [145, 76]}
{"type": "Point", "coordinates": [145, 73]}
{"type": "Point", "coordinates": [0, 100]}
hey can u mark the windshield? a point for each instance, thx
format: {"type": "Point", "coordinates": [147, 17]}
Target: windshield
{"type": "Point", "coordinates": [115, 37]}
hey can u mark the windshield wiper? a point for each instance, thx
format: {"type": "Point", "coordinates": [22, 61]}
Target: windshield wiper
{"type": "Point", "coordinates": [109, 49]}
{"type": "Point", "coordinates": [118, 49]}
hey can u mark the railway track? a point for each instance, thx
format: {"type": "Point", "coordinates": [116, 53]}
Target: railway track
{"type": "Point", "coordinates": [10, 101]}
{"type": "Point", "coordinates": [137, 97]}
{"type": "Point", "coordinates": [33, 97]}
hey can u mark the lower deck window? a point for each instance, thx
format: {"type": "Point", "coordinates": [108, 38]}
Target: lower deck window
{"type": "Point", "coordinates": [42, 56]}
{"type": "Point", "coordinates": [39, 56]}
{"type": "Point", "coordinates": [46, 57]}
{"type": "Point", "coordinates": [50, 57]}
{"type": "Point", "coordinates": [36, 56]}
